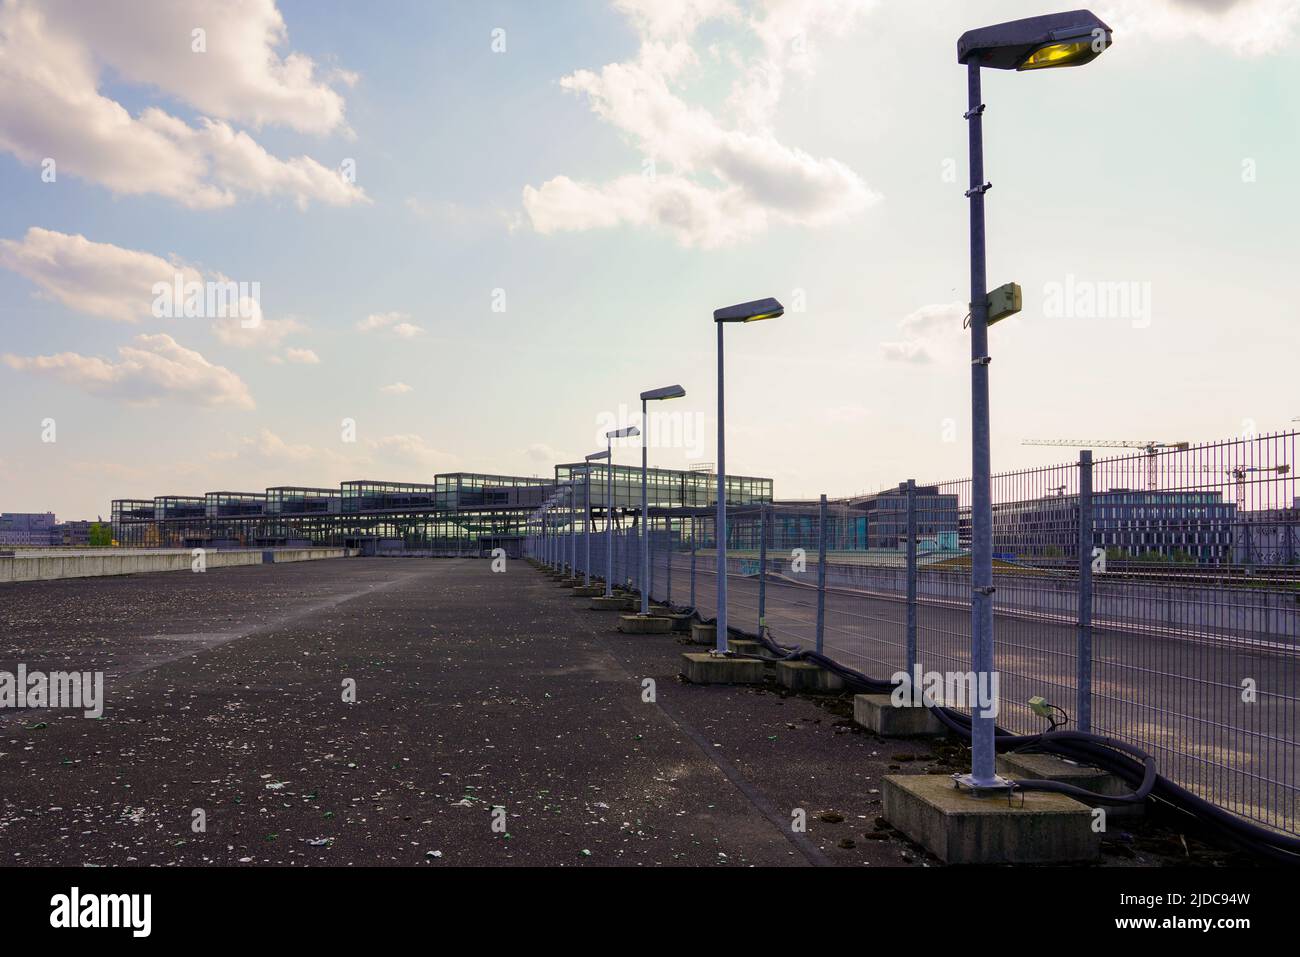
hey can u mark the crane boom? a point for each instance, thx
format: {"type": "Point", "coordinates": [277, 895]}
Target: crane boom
{"type": "Point", "coordinates": [1151, 447]}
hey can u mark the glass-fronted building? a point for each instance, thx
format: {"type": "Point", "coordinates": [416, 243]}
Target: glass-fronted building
{"type": "Point", "coordinates": [1127, 523]}
{"type": "Point", "coordinates": [457, 513]}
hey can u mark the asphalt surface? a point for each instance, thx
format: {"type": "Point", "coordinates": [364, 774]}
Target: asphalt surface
{"type": "Point", "coordinates": [474, 691]}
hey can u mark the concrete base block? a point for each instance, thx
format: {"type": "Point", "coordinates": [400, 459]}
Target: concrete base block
{"type": "Point", "coordinates": [570, 582]}
{"type": "Point", "coordinates": [601, 603]}
{"type": "Point", "coordinates": [588, 591]}
{"type": "Point", "coordinates": [1049, 767]}
{"type": "Point", "coordinates": [703, 634]}
{"type": "Point", "coordinates": [702, 668]}
{"type": "Point", "coordinates": [877, 713]}
{"type": "Point", "coordinates": [681, 622]}
{"type": "Point", "coordinates": [645, 625]}
{"type": "Point", "coordinates": [959, 828]}
{"type": "Point", "coordinates": [660, 609]}
{"type": "Point", "coordinates": [742, 646]}
{"type": "Point", "coordinates": [806, 676]}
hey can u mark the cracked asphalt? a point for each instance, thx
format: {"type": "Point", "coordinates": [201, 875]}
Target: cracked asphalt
{"type": "Point", "coordinates": [495, 720]}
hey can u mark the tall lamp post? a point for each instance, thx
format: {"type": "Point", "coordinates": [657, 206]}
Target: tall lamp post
{"type": "Point", "coordinates": [654, 395]}
{"type": "Point", "coordinates": [586, 520]}
{"type": "Point", "coordinates": [1035, 43]}
{"type": "Point", "coordinates": [623, 433]}
{"type": "Point", "coordinates": [744, 312]}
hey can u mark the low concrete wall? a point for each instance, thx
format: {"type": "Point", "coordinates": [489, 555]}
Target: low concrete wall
{"type": "Point", "coordinates": [41, 565]}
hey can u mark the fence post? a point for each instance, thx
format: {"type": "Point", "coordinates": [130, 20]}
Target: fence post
{"type": "Point", "coordinates": [692, 561]}
{"type": "Point", "coordinates": [668, 570]}
{"type": "Point", "coordinates": [650, 560]}
{"type": "Point", "coordinates": [911, 576]}
{"type": "Point", "coordinates": [762, 568]}
{"type": "Point", "coordinates": [1083, 705]}
{"type": "Point", "coordinates": [821, 575]}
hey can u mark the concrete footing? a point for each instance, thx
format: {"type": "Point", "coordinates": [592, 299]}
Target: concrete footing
{"type": "Point", "coordinates": [743, 646]}
{"type": "Point", "coordinates": [1032, 827]}
{"type": "Point", "coordinates": [681, 622]}
{"type": "Point", "coordinates": [1049, 767]}
{"type": "Point", "coordinates": [588, 591]}
{"type": "Point", "coordinates": [701, 668]}
{"type": "Point", "coordinates": [645, 625]}
{"type": "Point", "coordinates": [617, 603]}
{"type": "Point", "coordinates": [877, 713]}
{"type": "Point", "coordinates": [702, 634]}
{"type": "Point", "coordinates": [806, 676]}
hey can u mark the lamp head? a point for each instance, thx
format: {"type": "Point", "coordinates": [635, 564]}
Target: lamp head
{"type": "Point", "coordinates": [667, 392]}
{"type": "Point", "coordinates": [1036, 43]}
{"type": "Point", "coordinates": [750, 311]}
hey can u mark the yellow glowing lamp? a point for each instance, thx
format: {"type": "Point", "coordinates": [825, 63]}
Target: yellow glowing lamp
{"type": "Point", "coordinates": [1072, 53]}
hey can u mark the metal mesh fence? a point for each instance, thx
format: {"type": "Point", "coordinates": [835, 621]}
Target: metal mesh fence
{"type": "Point", "coordinates": [1154, 596]}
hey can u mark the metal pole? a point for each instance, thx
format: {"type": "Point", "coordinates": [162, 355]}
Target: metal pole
{"type": "Point", "coordinates": [609, 517]}
{"type": "Point", "coordinates": [645, 525]}
{"type": "Point", "coordinates": [720, 645]}
{"type": "Point", "coordinates": [586, 529]}
{"type": "Point", "coordinates": [821, 575]}
{"type": "Point", "coordinates": [762, 567]}
{"type": "Point", "coordinates": [650, 563]}
{"type": "Point", "coordinates": [911, 576]}
{"type": "Point", "coordinates": [668, 563]}
{"type": "Point", "coordinates": [692, 561]}
{"type": "Point", "coordinates": [1083, 706]}
{"type": "Point", "coordinates": [983, 773]}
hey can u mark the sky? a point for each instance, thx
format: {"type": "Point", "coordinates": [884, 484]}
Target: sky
{"type": "Point", "coordinates": [467, 236]}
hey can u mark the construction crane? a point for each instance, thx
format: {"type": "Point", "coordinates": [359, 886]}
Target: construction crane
{"type": "Point", "coordinates": [1241, 471]}
{"type": "Point", "coordinates": [1151, 448]}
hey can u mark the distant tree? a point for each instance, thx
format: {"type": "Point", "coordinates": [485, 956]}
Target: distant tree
{"type": "Point", "coordinates": [101, 535]}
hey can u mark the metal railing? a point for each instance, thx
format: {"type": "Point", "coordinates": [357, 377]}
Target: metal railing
{"type": "Point", "coordinates": [1155, 597]}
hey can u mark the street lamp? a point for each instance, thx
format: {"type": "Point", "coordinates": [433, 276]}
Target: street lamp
{"type": "Point", "coordinates": [623, 433]}
{"type": "Point", "coordinates": [654, 395]}
{"type": "Point", "coordinates": [744, 312]}
{"type": "Point", "coordinates": [1035, 43]}
{"type": "Point", "coordinates": [586, 519]}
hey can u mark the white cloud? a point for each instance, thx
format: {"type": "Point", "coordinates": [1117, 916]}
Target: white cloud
{"type": "Point", "coordinates": [157, 368]}
{"type": "Point", "coordinates": [541, 452]}
{"type": "Point", "coordinates": [240, 76]}
{"type": "Point", "coordinates": [930, 334]}
{"type": "Point", "coordinates": [98, 279]}
{"type": "Point", "coordinates": [266, 334]}
{"type": "Point", "coordinates": [111, 282]}
{"type": "Point", "coordinates": [713, 183]}
{"type": "Point", "coordinates": [670, 18]}
{"type": "Point", "coordinates": [1245, 27]}
{"type": "Point", "coordinates": [394, 322]}
{"type": "Point", "coordinates": [411, 450]}
{"type": "Point", "coordinates": [396, 388]}
{"type": "Point", "coordinates": [51, 59]}
{"type": "Point", "coordinates": [266, 445]}
{"type": "Point", "coordinates": [306, 357]}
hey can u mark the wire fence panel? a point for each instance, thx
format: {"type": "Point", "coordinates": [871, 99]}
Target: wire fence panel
{"type": "Point", "coordinates": [1153, 595]}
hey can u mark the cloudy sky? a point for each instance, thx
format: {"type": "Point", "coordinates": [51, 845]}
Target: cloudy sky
{"type": "Point", "coordinates": [477, 231]}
